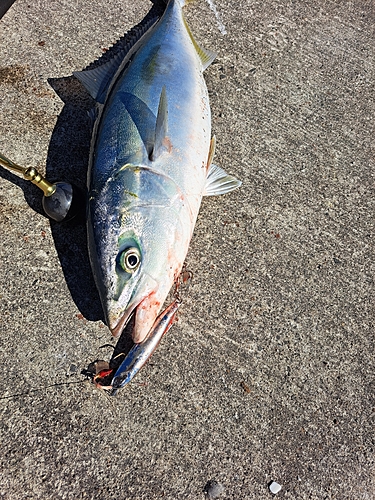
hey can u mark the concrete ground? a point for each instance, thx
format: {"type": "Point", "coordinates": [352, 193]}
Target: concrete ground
{"type": "Point", "coordinates": [269, 373]}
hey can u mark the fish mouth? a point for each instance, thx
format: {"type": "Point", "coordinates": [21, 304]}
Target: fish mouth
{"type": "Point", "coordinates": [117, 320]}
{"type": "Point", "coordinates": [117, 326]}
{"type": "Point", "coordinates": [145, 312]}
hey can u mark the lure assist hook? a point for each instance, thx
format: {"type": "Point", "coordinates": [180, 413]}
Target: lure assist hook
{"type": "Point", "coordinates": [60, 198]}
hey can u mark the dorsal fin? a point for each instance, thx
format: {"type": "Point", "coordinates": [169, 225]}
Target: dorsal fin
{"type": "Point", "coordinates": [161, 127]}
{"type": "Point", "coordinates": [97, 80]}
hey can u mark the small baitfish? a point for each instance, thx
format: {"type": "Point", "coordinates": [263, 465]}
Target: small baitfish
{"type": "Point", "coordinates": [141, 353]}
{"type": "Point", "coordinates": [150, 164]}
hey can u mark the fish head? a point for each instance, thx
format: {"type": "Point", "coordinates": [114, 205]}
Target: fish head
{"type": "Point", "coordinates": [138, 242]}
{"type": "Point", "coordinates": [141, 274]}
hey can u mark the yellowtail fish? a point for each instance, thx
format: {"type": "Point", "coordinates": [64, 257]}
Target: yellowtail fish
{"type": "Point", "coordinates": [150, 165]}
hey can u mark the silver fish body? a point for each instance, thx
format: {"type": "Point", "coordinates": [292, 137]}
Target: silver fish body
{"type": "Point", "coordinates": [150, 165]}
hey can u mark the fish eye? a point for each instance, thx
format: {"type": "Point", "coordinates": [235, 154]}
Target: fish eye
{"type": "Point", "coordinates": [130, 259]}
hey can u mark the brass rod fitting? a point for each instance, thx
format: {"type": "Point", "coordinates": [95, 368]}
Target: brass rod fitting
{"type": "Point", "coordinates": [30, 174]}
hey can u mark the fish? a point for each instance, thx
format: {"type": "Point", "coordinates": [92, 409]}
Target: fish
{"type": "Point", "coordinates": [150, 165]}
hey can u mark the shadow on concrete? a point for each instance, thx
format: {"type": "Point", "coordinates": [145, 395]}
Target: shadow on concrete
{"type": "Point", "coordinates": [32, 194]}
{"type": "Point", "coordinates": [67, 160]}
{"type": "Point", "coordinates": [4, 6]}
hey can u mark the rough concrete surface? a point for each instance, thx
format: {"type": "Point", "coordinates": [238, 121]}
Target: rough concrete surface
{"type": "Point", "coordinates": [269, 373]}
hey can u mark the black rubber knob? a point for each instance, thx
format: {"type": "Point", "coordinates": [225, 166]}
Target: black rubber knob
{"type": "Point", "coordinates": [65, 203]}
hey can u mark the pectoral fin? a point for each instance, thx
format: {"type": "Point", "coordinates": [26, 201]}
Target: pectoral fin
{"type": "Point", "coordinates": [219, 182]}
{"type": "Point", "coordinates": [161, 142]}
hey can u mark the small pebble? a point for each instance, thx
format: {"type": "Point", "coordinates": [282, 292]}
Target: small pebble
{"type": "Point", "coordinates": [275, 487]}
{"type": "Point", "coordinates": [213, 489]}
